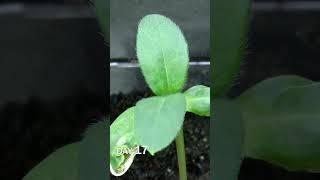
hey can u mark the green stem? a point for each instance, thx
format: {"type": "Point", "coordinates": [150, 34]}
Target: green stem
{"type": "Point", "coordinates": [181, 155]}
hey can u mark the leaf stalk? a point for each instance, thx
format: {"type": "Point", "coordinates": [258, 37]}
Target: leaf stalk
{"type": "Point", "coordinates": [181, 155]}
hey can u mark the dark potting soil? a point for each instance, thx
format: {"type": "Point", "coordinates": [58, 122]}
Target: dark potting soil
{"type": "Point", "coordinates": [164, 164]}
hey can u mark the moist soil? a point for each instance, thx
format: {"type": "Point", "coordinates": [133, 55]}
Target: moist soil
{"type": "Point", "coordinates": [164, 164]}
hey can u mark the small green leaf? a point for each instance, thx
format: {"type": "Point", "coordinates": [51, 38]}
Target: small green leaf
{"type": "Point", "coordinates": [158, 120]}
{"type": "Point", "coordinates": [198, 100]}
{"type": "Point", "coordinates": [122, 135]}
{"type": "Point", "coordinates": [162, 53]}
{"type": "Point", "coordinates": [282, 123]}
{"type": "Point", "coordinates": [60, 165]}
{"type": "Point", "coordinates": [228, 140]}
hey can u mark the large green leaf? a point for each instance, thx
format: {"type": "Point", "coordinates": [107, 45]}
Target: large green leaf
{"type": "Point", "coordinates": [60, 165]}
{"type": "Point", "coordinates": [198, 100]}
{"type": "Point", "coordinates": [228, 138]}
{"type": "Point", "coordinates": [158, 120]}
{"type": "Point", "coordinates": [162, 53]}
{"type": "Point", "coordinates": [229, 25]}
{"type": "Point", "coordinates": [93, 162]}
{"type": "Point", "coordinates": [284, 129]}
{"type": "Point", "coordinates": [122, 135]}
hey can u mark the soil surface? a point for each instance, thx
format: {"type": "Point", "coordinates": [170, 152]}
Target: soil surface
{"type": "Point", "coordinates": [164, 164]}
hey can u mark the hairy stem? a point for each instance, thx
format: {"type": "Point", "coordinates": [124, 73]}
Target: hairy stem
{"type": "Point", "coordinates": [181, 155]}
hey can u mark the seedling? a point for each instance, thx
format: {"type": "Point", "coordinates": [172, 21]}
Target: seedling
{"type": "Point", "coordinates": [155, 122]}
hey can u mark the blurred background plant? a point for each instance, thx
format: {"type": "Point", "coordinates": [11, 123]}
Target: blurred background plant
{"type": "Point", "coordinates": [52, 71]}
{"type": "Point", "coordinates": [282, 39]}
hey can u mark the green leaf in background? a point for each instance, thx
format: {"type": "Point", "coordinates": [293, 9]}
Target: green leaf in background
{"type": "Point", "coordinates": [284, 129]}
{"type": "Point", "coordinates": [60, 165]}
{"type": "Point", "coordinates": [228, 138]}
{"type": "Point", "coordinates": [229, 26]}
{"type": "Point", "coordinates": [198, 100]}
{"type": "Point", "coordinates": [93, 162]}
{"type": "Point", "coordinates": [263, 93]}
{"type": "Point", "coordinates": [158, 120]}
{"type": "Point", "coordinates": [122, 135]}
{"type": "Point", "coordinates": [163, 54]}
{"type": "Point", "coordinates": [78, 161]}
{"type": "Point", "coordinates": [103, 16]}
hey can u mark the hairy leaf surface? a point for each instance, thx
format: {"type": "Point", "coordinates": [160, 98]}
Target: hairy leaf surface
{"type": "Point", "coordinates": [162, 53]}
{"type": "Point", "coordinates": [158, 120]}
{"type": "Point", "coordinates": [198, 100]}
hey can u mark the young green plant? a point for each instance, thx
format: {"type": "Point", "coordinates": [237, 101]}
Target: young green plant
{"type": "Point", "coordinates": [155, 122]}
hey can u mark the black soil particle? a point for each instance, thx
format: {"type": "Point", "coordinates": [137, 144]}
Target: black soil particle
{"type": "Point", "coordinates": [164, 164]}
